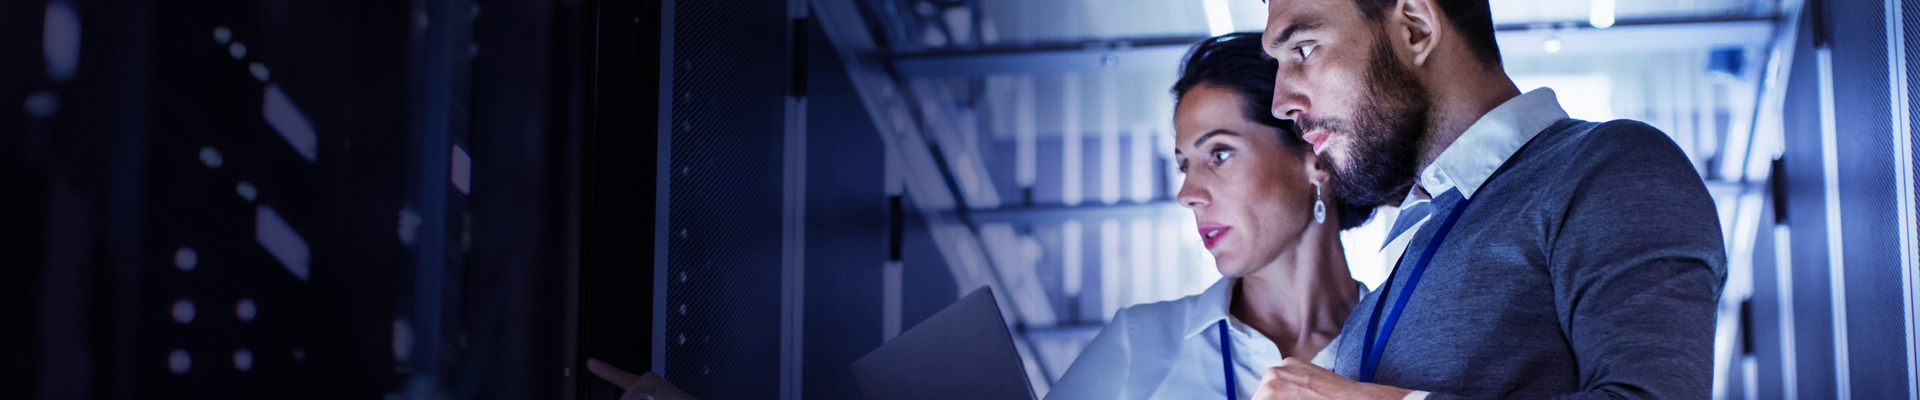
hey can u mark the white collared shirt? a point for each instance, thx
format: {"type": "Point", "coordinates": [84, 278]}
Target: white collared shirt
{"type": "Point", "coordinates": [1475, 155]}
{"type": "Point", "coordinates": [1171, 350]}
{"type": "Point", "coordinates": [1471, 160]}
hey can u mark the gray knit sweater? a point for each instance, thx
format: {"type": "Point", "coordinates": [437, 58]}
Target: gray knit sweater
{"type": "Point", "coordinates": [1588, 267]}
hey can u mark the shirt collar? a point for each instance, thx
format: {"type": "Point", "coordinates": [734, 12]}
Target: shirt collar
{"type": "Point", "coordinates": [1489, 142]}
{"type": "Point", "coordinates": [1210, 307]}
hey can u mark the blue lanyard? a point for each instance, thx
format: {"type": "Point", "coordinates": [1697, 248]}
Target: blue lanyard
{"type": "Point", "coordinates": [1226, 358]}
{"type": "Point", "coordinates": [1372, 348]}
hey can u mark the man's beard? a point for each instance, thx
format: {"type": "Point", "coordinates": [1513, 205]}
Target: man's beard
{"type": "Point", "coordinates": [1384, 134]}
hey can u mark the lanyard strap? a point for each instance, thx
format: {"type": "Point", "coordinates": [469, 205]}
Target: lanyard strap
{"type": "Point", "coordinates": [1226, 359]}
{"type": "Point", "coordinates": [1372, 348]}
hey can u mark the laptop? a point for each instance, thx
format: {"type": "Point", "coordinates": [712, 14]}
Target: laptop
{"type": "Point", "coordinates": [962, 352]}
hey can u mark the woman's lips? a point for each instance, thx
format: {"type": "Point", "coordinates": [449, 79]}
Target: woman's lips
{"type": "Point", "coordinates": [1211, 233]}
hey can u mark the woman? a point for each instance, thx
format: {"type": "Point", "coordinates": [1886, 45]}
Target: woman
{"type": "Point", "coordinates": [1256, 191]}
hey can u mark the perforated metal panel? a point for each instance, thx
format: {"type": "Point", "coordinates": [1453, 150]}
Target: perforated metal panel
{"type": "Point", "coordinates": [1910, 29]}
{"type": "Point", "coordinates": [724, 208]}
{"type": "Point", "coordinates": [1870, 229]}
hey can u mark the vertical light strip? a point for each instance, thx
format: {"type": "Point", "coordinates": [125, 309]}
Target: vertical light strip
{"type": "Point", "coordinates": [1109, 138]}
{"type": "Point", "coordinates": [1682, 92]}
{"type": "Point", "coordinates": [1742, 128]}
{"type": "Point", "coordinates": [1070, 262]}
{"type": "Point", "coordinates": [1071, 186]}
{"type": "Point", "coordinates": [1024, 131]}
{"type": "Point", "coordinates": [793, 245]}
{"type": "Point", "coordinates": [1705, 117]}
{"type": "Point", "coordinates": [1219, 18]}
{"type": "Point", "coordinates": [891, 278]}
{"type": "Point", "coordinates": [1166, 251]}
{"type": "Point", "coordinates": [1739, 287]}
{"type": "Point", "coordinates": [1783, 280]}
{"type": "Point", "coordinates": [1140, 163]}
{"type": "Point", "coordinates": [1110, 300]}
{"type": "Point", "coordinates": [1661, 102]}
{"type": "Point", "coordinates": [1836, 252]}
{"type": "Point", "coordinates": [1140, 261]}
{"type": "Point", "coordinates": [663, 162]}
{"type": "Point", "coordinates": [793, 269]}
{"type": "Point", "coordinates": [1903, 181]}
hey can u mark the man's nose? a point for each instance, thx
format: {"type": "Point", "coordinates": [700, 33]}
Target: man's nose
{"type": "Point", "coordinates": [1287, 104]}
{"type": "Point", "coordinates": [1287, 99]}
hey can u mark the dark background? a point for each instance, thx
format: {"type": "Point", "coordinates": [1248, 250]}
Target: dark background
{"type": "Point", "coordinates": [633, 179]}
{"type": "Point", "coordinates": [417, 289]}
{"type": "Point", "coordinates": [492, 297]}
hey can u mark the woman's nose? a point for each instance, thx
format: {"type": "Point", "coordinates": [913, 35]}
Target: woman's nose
{"type": "Point", "coordinates": [1192, 195]}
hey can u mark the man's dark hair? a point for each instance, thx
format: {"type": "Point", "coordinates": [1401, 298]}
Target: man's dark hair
{"type": "Point", "coordinates": [1472, 18]}
{"type": "Point", "coordinates": [1236, 62]}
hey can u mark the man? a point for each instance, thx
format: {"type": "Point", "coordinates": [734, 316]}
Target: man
{"type": "Point", "coordinates": [1545, 256]}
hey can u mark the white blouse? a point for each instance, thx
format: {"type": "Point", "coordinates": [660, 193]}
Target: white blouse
{"type": "Point", "coordinates": [1171, 350]}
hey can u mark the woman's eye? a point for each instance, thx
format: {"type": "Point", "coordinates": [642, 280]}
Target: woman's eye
{"type": "Point", "coordinates": [1220, 156]}
{"type": "Point", "coordinates": [1306, 50]}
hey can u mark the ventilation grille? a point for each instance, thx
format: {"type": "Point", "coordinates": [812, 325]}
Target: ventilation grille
{"type": "Point", "coordinates": [724, 207]}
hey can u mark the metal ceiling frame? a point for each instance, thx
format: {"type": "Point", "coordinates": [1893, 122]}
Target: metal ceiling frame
{"type": "Point", "coordinates": [1164, 53]}
{"type": "Point", "coordinates": [926, 172]}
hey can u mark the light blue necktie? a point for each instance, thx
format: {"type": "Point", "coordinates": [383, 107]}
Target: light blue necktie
{"type": "Point", "coordinates": [1408, 218]}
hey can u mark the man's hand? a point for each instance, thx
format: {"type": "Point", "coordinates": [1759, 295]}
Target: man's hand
{"type": "Point", "coordinates": [639, 387]}
{"type": "Point", "coordinates": [1296, 378]}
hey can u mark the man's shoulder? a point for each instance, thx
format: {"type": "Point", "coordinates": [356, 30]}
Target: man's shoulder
{"type": "Point", "coordinates": [1576, 145]}
{"type": "Point", "coordinates": [1621, 135]}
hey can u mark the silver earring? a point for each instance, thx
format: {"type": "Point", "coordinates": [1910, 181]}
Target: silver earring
{"type": "Point", "coordinates": [1319, 207]}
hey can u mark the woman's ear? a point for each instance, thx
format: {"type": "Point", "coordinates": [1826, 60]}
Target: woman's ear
{"type": "Point", "coordinates": [1318, 170]}
{"type": "Point", "coordinates": [1416, 25]}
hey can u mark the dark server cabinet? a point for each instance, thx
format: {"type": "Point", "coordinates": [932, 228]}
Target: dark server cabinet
{"type": "Point", "coordinates": [730, 76]}
{"type": "Point", "coordinates": [240, 199]}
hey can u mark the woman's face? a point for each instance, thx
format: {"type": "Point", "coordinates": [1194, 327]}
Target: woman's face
{"type": "Point", "coordinates": [1249, 193]}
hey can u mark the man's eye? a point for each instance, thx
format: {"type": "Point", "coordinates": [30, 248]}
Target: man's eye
{"type": "Point", "coordinates": [1306, 50]}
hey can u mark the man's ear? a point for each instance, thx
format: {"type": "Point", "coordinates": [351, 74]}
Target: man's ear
{"type": "Point", "coordinates": [1416, 24]}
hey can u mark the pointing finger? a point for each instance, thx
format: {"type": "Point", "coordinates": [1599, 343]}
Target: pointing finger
{"type": "Point", "coordinates": [613, 375]}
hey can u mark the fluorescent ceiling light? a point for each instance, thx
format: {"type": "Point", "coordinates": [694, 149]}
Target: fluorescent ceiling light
{"type": "Point", "coordinates": [1219, 20]}
{"type": "Point", "coordinates": [1602, 16]}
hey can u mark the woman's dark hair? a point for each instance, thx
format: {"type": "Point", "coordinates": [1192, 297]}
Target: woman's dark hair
{"type": "Point", "coordinates": [1236, 62]}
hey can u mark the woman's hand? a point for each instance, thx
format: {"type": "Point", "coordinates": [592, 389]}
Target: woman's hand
{"type": "Point", "coordinates": [646, 386]}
